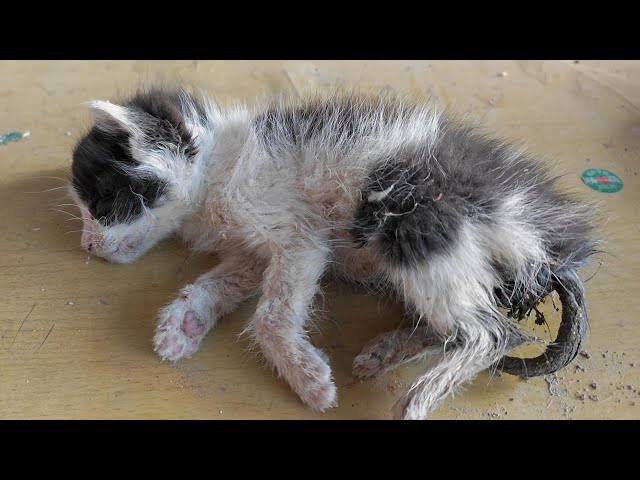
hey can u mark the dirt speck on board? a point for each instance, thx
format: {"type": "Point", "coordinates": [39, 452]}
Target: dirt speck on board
{"type": "Point", "coordinates": [594, 398]}
{"type": "Point", "coordinates": [581, 396]}
{"type": "Point", "coordinates": [552, 384]}
{"type": "Point", "coordinates": [585, 354]}
{"type": "Point", "coordinates": [594, 385]}
{"type": "Point", "coordinates": [70, 303]}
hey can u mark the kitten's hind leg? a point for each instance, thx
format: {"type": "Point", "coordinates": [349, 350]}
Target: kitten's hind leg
{"type": "Point", "coordinates": [185, 321]}
{"type": "Point", "coordinates": [455, 296]}
{"type": "Point", "coordinates": [472, 350]}
{"type": "Point", "coordinates": [392, 349]}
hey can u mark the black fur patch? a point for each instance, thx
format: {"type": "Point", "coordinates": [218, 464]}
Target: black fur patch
{"type": "Point", "coordinates": [100, 159]}
{"type": "Point", "coordinates": [463, 178]}
{"type": "Point", "coordinates": [111, 195]}
{"type": "Point", "coordinates": [430, 198]}
{"type": "Point", "coordinates": [163, 120]}
{"type": "Point", "coordinates": [343, 119]}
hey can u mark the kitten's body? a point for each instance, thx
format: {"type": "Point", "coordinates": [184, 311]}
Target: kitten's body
{"type": "Point", "coordinates": [376, 190]}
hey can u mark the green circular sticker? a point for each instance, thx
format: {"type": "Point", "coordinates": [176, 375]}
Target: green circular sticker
{"type": "Point", "coordinates": [602, 180]}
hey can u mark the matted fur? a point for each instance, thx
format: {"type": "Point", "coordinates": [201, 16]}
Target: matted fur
{"type": "Point", "coordinates": [380, 189]}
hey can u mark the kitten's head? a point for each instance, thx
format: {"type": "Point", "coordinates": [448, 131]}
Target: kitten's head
{"type": "Point", "coordinates": [138, 172]}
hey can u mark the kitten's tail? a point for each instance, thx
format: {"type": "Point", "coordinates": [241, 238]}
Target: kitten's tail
{"type": "Point", "coordinates": [571, 334]}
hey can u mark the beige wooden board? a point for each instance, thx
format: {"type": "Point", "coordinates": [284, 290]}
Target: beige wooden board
{"type": "Point", "coordinates": [75, 331]}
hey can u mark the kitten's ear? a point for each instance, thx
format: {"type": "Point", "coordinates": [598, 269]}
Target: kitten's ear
{"type": "Point", "coordinates": [111, 117]}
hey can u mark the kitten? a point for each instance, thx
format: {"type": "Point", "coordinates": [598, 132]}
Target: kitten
{"type": "Point", "coordinates": [374, 189]}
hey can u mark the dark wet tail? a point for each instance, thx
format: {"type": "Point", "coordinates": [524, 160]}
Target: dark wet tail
{"type": "Point", "coordinates": [571, 334]}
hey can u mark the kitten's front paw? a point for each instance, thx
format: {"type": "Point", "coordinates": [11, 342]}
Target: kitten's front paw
{"type": "Point", "coordinates": [183, 324]}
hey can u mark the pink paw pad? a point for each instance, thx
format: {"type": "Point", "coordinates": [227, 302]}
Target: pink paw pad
{"type": "Point", "coordinates": [190, 324]}
{"type": "Point", "coordinates": [177, 350]}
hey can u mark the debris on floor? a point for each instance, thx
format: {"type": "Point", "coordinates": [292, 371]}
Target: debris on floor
{"type": "Point", "coordinates": [13, 136]}
{"type": "Point", "coordinates": [552, 384]}
{"type": "Point", "coordinates": [602, 180]}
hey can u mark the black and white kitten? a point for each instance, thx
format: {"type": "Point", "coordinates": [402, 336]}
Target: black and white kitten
{"type": "Point", "coordinates": [375, 189]}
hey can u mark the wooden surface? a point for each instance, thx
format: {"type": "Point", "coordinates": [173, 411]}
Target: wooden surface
{"type": "Point", "coordinates": [75, 331]}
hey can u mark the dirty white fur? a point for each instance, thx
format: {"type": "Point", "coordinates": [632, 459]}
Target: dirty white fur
{"type": "Point", "coordinates": [453, 294]}
{"type": "Point", "coordinates": [211, 296]}
{"type": "Point", "coordinates": [278, 209]}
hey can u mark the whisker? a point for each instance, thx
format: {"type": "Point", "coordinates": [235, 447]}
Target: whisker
{"type": "Point", "coordinates": [66, 213]}
{"type": "Point", "coordinates": [56, 178]}
{"type": "Point", "coordinates": [82, 208]}
{"type": "Point", "coordinates": [49, 189]}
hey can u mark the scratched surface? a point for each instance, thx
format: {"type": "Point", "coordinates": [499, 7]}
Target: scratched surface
{"type": "Point", "coordinates": [75, 331]}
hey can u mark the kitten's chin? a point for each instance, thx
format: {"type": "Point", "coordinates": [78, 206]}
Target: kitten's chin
{"type": "Point", "coordinates": [123, 257]}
